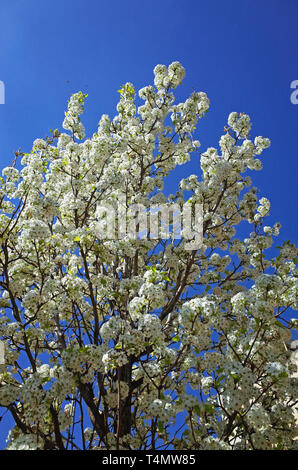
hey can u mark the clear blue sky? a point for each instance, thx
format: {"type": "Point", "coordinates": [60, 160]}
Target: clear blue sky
{"type": "Point", "coordinates": [242, 53]}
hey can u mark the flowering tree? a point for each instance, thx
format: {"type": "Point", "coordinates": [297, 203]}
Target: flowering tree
{"type": "Point", "coordinates": [141, 343]}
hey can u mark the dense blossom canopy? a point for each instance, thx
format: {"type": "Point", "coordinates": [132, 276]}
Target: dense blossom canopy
{"type": "Point", "coordinates": [142, 344]}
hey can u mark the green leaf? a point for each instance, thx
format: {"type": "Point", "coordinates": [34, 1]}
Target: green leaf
{"type": "Point", "coordinates": [176, 339]}
{"type": "Point", "coordinates": [209, 408]}
{"type": "Point", "coordinates": [160, 427]}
